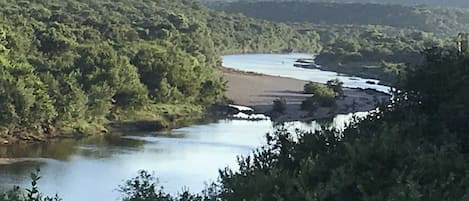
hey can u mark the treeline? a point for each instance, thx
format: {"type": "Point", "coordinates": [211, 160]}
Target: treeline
{"type": "Point", "coordinates": [436, 3]}
{"type": "Point", "coordinates": [369, 40]}
{"type": "Point", "coordinates": [414, 149]}
{"type": "Point", "coordinates": [71, 66]}
{"type": "Point", "coordinates": [441, 21]}
{"type": "Point", "coordinates": [374, 51]}
{"type": "Point", "coordinates": [240, 34]}
{"type": "Point", "coordinates": [446, 3]}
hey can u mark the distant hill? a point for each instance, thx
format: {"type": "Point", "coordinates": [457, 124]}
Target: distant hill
{"type": "Point", "coordinates": [439, 3]}
{"type": "Point", "coordinates": [441, 21]}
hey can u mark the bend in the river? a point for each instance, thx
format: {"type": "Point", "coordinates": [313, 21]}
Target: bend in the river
{"type": "Point", "coordinates": [92, 169]}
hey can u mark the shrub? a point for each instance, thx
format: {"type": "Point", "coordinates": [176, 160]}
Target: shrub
{"type": "Point", "coordinates": [314, 102]}
{"type": "Point", "coordinates": [145, 187]}
{"type": "Point", "coordinates": [32, 194]}
{"type": "Point", "coordinates": [319, 90]}
{"type": "Point", "coordinates": [323, 96]}
{"type": "Point", "coordinates": [336, 85]}
{"type": "Point", "coordinates": [309, 104]}
{"type": "Point", "coordinates": [279, 106]}
{"type": "Point", "coordinates": [312, 88]}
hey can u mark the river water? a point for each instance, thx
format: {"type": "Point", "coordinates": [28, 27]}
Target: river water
{"type": "Point", "coordinates": [189, 157]}
{"type": "Point", "coordinates": [282, 65]}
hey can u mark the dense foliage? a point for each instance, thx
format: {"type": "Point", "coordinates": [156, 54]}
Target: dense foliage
{"type": "Point", "coordinates": [239, 34]}
{"type": "Point", "coordinates": [279, 106]}
{"type": "Point", "coordinates": [437, 3]}
{"type": "Point", "coordinates": [375, 51]}
{"type": "Point", "coordinates": [414, 149]}
{"type": "Point", "coordinates": [441, 21]}
{"type": "Point", "coordinates": [70, 66]}
{"type": "Point", "coordinates": [33, 193]}
{"type": "Point", "coordinates": [369, 40]}
{"type": "Point", "coordinates": [322, 95]}
{"type": "Point", "coordinates": [145, 187]}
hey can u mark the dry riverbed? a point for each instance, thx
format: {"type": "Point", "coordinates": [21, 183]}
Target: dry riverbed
{"type": "Point", "coordinates": [259, 91]}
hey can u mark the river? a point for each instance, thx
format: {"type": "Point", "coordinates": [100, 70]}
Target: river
{"type": "Point", "coordinates": [93, 168]}
{"type": "Point", "coordinates": [282, 65]}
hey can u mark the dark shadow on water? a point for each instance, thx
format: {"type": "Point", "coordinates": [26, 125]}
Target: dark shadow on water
{"type": "Point", "coordinates": [288, 97]}
{"type": "Point", "coordinates": [286, 91]}
{"type": "Point", "coordinates": [101, 146]}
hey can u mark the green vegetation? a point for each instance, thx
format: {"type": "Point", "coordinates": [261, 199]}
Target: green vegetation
{"type": "Point", "coordinates": [336, 85]}
{"type": "Point", "coordinates": [145, 187]}
{"type": "Point", "coordinates": [70, 71]}
{"type": "Point", "coordinates": [436, 3]}
{"type": "Point", "coordinates": [279, 106]}
{"type": "Point", "coordinates": [70, 67]}
{"type": "Point", "coordinates": [369, 40]}
{"type": "Point", "coordinates": [239, 34]}
{"type": "Point", "coordinates": [414, 149]}
{"type": "Point", "coordinates": [323, 95]}
{"type": "Point", "coordinates": [441, 21]}
{"type": "Point", "coordinates": [33, 194]}
{"type": "Point", "coordinates": [376, 52]}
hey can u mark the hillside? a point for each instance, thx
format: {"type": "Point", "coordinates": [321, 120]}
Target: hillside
{"type": "Point", "coordinates": [441, 21]}
{"type": "Point", "coordinates": [369, 40]}
{"type": "Point", "coordinates": [433, 3]}
{"type": "Point", "coordinates": [70, 67]}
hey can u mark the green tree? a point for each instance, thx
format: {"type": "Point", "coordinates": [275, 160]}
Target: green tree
{"type": "Point", "coordinates": [336, 85]}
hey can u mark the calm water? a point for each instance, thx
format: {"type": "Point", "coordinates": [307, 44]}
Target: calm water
{"type": "Point", "coordinates": [93, 168]}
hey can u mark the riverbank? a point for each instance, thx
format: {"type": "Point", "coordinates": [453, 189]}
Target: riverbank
{"type": "Point", "coordinates": [157, 117]}
{"type": "Point", "coordinates": [259, 91]}
{"type": "Point", "coordinates": [369, 70]}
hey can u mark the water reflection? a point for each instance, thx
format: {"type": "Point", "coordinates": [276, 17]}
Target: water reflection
{"type": "Point", "coordinates": [64, 149]}
{"type": "Point", "coordinates": [93, 168]}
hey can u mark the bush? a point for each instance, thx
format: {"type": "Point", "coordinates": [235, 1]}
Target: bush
{"type": "Point", "coordinates": [32, 194]}
{"type": "Point", "coordinates": [319, 90]}
{"type": "Point", "coordinates": [313, 102]}
{"type": "Point", "coordinates": [279, 106]}
{"type": "Point", "coordinates": [309, 104]}
{"type": "Point", "coordinates": [336, 85]}
{"type": "Point", "coordinates": [325, 101]}
{"type": "Point", "coordinates": [145, 187]}
{"type": "Point", "coordinates": [324, 96]}
{"type": "Point", "coordinates": [312, 88]}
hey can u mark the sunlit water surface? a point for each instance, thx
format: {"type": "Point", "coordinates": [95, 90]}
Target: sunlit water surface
{"type": "Point", "coordinates": [282, 65]}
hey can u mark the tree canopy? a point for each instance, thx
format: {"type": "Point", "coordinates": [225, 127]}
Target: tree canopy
{"type": "Point", "coordinates": [73, 65]}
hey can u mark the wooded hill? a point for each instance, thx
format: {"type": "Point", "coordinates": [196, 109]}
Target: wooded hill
{"type": "Point", "coordinates": [70, 66]}
{"type": "Point", "coordinates": [369, 40]}
{"type": "Point", "coordinates": [441, 21]}
{"type": "Point", "coordinates": [433, 3]}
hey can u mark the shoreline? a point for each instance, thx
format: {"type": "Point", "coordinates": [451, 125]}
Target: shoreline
{"type": "Point", "coordinates": [259, 91]}
{"type": "Point", "coordinates": [112, 127]}
{"type": "Point", "coordinates": [357, 69]}
{"type": "Point", "coordinates": [244, 88]}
